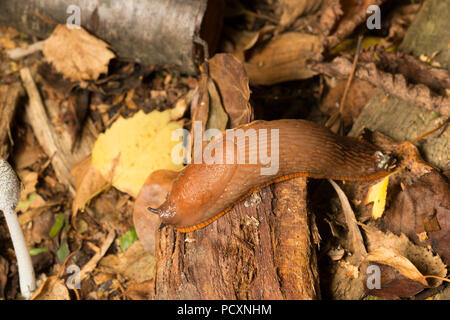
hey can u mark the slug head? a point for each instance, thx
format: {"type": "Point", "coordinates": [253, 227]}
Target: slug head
{"type": "Point", "coordinates": [195, 191]}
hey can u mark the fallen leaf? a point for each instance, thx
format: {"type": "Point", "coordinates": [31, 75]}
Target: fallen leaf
{"type": "Point", "coordinates": [29, 180]}
{"type": "Point", "coordinates": [92, 263]}
{"type": "Point", "coordinates": [241, 41]}
{"type": "Point", "coordinates": [128, 239]}
{"type": "Point", "coordinates": [76, 54]}
{"type": "Point", "coordinates": [284, 59]}
{"type": "Point", "coordinates": [217, 117]}
{"type": "Point", "coordinates": [133, 148]}
{"type": "Point", "coordinates": [153, 194]}
{"type": "Point", "coordinates": [423, 206]}
{"type": "Point", "coordinates": [426, 262]}
{"type": "Point", "coordinates": [392, 283]}
{"type": "Point", "coordinates": [53, 288]}
{"type": "Point", "coordinates": [233, 84]}
{"type": "Point", "coordinates": [359, 93]}
{"type": "Point", "coordinates": [134, 264]}
{"type": "Point", "coordinates": [377, 194]}
{"type": "Point", "coordinates": [88, 182]}
{"type": "Point", "coordinates": [292, 9]}
{"type": "Point", "coordinates": [393, 258]}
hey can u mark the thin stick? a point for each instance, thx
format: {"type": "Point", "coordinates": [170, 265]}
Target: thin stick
{"type": "Point", "coordinates": [350, 78]}
{"type": "Point", "coordinates": [205, 47]}
{"type": "Point", "coordinates": [61, 270]}
{"type": "Point", "coordinates": [429, 132]}
{"type": "Point", "coordinates": [437, 277]}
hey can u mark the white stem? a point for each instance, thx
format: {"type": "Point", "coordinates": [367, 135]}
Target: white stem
{"type": "Point", "coordinates": [26, 272]}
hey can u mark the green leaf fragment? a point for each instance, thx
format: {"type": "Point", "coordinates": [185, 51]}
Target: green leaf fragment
{"type": "Point", "coordinates": [62, 252]}
{"type": "Point", "coordinates": [128, 239]}
{"type": "Point", "coordinates": [36, 251]}
{"type": "Point", "coordinates": [57, 226]}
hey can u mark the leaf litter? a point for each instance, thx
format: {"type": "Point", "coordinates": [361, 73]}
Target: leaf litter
{"type": "Point", "coordinates": [273, 46]}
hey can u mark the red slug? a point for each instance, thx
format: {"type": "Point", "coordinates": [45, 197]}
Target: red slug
{"type": "Point", "coordinates": [204, 191]}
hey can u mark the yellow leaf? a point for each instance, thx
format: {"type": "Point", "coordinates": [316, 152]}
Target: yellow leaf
{"type": "Point", "coordinates": [133, 148]}
{"type": "Point", "coordinates": [377, 195]}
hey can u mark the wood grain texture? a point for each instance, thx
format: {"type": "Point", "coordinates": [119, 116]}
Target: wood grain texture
{"type": "Point", "coordinates": [261, 249]}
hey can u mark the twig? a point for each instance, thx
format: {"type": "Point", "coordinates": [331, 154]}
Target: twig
{"type": "Point", "coordinates": [44, 132]}
{"type": "Point", "coordinates": [350, 78]}
{"type": "Point", "coordinates": [88, 267]}
{"type": "Point", "coordinates": [430, 132]}
{"type": "Point", "coordinates": [19, 53]}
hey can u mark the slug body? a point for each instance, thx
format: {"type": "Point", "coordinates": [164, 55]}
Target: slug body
{"type": "Point", "coordinates": [205, 191]}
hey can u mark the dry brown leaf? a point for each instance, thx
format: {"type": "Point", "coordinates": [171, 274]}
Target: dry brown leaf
{"type": "Point", "coordinates": [134, 264]}
{"type": "Point", "coordinates": [76, 54]}
{"type": "Point", "coordinates": [92, 263]}
{"type": "Point", "coordinates": [394, 84]}
{"type": "Point", "coordinates": [27, 153]}
{"type": "Point", "coordinates": [284, 59]}
{"type": "Point", "coordinates": [422, 258]}
{"type": "Point", "coordinates": [240, 41]}
{"type": "Point", "coordinates": [331, 12]}
{"type": "Point", "coordinates": [29, 180]}
{"type": "Point", "coordinates": [53, 288]}
{"type": "Point", "coordinates": [423, 206]}
{"type": "Point", "coordinates": [88, 182]}
{"type": "Point", "coordinates": [354, 14]}
{"type": "Point", "coordinates": [292, 9]}
{"type": "Point", "coordinates": [393, 258]}
{"type": "Point", "coordinates": [400, 22]}
{"type": "Point", "coordinates": [217, 118]}
{"type": "Point", "coordinates": [153, 193]}
{"type": "Point", "coordinates": [359, 93]}
{"type": "Point", "coordinates": [232, 81]}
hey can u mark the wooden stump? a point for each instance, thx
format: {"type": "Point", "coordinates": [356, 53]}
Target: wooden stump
{"type": "Point", "coordinates": [261, 249]}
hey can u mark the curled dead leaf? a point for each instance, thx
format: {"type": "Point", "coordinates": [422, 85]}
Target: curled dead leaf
{"type": "Point", "coordinates": [393, 258]}
{"type": "Point", "coordinates": [284, 59]}
{"type": "Point", "coordinates": [232, 81]}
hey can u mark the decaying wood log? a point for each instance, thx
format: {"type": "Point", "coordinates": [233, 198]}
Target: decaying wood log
{"type": "Point", "coordinates": [261, 249]}
{"type": "Point", "coordinates": [157, 32]}
{"type": "Point", "coordinates": [9, 98]}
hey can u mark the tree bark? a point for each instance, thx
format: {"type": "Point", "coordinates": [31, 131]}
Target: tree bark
{"type": "Point", "coordinates": [155, 32]}
{"type": "Point", "coordinates": [261, 249]}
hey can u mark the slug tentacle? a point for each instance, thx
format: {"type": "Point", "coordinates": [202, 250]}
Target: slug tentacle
{"type": "Point", "coordinates": [153, 210]}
